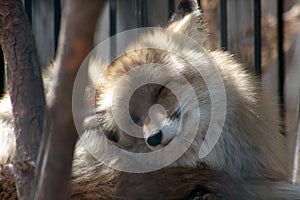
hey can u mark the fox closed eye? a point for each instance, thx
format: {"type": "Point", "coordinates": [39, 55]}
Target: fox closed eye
{"type": "Point", "coordinates": [136, 119]}
{"type": "Point", "coordinates": [176, 114]}
{"type": "Point", "coordinates": [161, 89]}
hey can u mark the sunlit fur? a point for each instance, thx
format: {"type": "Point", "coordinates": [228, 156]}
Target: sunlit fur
{"type": "Point", "coordinates": [250, 145]}
{"type": "Point", "coordinates": [250, 148]}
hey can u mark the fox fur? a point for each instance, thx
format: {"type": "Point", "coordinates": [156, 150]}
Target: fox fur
{"type": "Point", "coordinates": [251, 150]}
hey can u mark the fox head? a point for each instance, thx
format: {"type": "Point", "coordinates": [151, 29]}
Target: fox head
{"type": "Point", "coordinates": [147, 91]}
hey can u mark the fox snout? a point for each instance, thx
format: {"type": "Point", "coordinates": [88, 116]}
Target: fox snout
{"type": "Point", "coordinates": [159, 139]}
{"type": "Point", "coordinates": [159, 129]}
{"type": "Point", "coordinates": [154, 139]}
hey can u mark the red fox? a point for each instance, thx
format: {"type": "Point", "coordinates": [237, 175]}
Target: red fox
{"type": "Point", "coordinates": [167, 100]}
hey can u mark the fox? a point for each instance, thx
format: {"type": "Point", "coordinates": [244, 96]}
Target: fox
{"type": "Point", "coordinates": [171, 98]}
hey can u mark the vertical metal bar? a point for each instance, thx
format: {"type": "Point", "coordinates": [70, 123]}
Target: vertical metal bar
{"type": "Point", "coordinates": [142, 13]}
{"type": "Point", "coordinates": [257, 37]}
{"type": "Point", "coordinates": [28, 8]}
{"type": "Point", "coordinates": [113, 27]}
{"type": "Point", "coordinates": [223, 24]}
{"type": "Point", "coordinates": [171, 7]}
{"type": "Point", "coordinates": [113, 17]}
{"type": "Point", "coordinates": [296, 164]}
{"type": "Point", "coordinates": [2, 74]}
{"type": "Point", "coordinates": [199, 3]}
{"type": "Point", "coordinates": [281, 70]}
{"type": "Point", "coordinates": [57, 16]}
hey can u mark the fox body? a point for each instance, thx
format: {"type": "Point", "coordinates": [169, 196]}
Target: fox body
{"type": "Point", "coordinates": [250, 144]}
{"type": "Point", "coordinates": [250, 147]}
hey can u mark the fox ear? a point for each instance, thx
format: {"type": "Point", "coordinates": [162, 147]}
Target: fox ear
{"type": "Point", "coordinates": [187, 20]}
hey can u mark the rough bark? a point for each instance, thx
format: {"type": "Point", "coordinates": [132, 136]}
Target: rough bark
{"type": "Point", "coordinates": [26, 91]}
{"type": "Point", "coordinates": [75, 43]}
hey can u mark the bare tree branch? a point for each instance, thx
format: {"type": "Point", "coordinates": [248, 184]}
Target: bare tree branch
{"type": "Point", "coordinates": [76, 40]}
{"type": "Point", "coordinates": [26, 90]}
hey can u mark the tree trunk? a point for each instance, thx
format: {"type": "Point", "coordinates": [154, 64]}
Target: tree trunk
{"type": "Point", "coordinates": [26, 91]}
{"type": "Point", "coordinates": [74, 45]}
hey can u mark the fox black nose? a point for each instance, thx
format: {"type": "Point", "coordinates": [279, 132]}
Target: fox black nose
{"type": "Point", "coordinates": [155, 139]}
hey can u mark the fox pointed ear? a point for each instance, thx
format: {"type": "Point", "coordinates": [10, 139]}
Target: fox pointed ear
{"type": "Point", "coordinates": [187, 20]}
